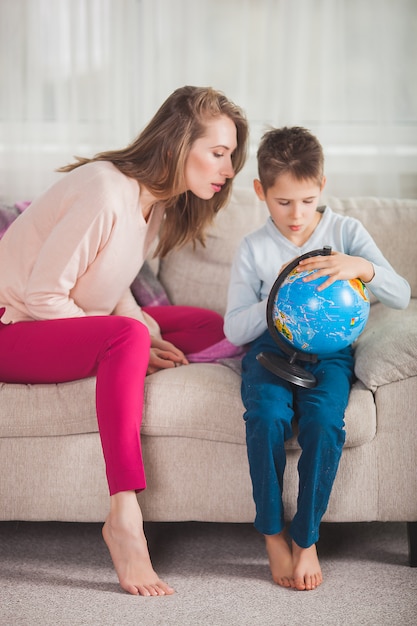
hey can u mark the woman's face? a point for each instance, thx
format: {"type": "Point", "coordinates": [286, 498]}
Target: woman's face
{"type": "Point", "coordinates": [209, 163]}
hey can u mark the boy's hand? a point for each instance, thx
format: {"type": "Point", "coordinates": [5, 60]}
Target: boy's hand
{"type": "Point", "coordinates": [282, 268]}
{"type": "Point", "coordinates": [164, 355]}
{"type": "Point", "coordinates": [337, 266]}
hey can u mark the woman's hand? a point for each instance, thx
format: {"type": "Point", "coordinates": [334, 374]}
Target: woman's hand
{"type": "Point", "coordinates": [164, 355]}
{"type": "Point", "coordinates": [336, 266]}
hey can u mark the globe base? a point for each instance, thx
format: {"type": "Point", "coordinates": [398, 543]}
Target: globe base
{"type": "Point", "coordinates": [289, 371]}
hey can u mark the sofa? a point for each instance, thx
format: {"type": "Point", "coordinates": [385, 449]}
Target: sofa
{"type": "Point", "coordinates": [51, 465]}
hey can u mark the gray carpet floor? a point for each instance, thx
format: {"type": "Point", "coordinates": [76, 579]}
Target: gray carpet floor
{"type": "Point", "coordinates": [61, 575]}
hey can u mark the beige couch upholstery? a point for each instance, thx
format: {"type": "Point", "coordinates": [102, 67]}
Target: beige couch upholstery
{"type": "Point", "coordinates": [51, 465]}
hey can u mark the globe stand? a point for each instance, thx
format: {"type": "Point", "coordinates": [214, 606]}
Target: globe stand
{"type": "Point", "coordinates": [288, 370]}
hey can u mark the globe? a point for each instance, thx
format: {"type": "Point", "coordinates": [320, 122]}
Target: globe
{"type": "Point", "coordinates": [320, 322]}
{"type": "Point", "coordinates": [306, 322]}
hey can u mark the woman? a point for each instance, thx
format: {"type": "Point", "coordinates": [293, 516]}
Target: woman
{"type": "Point", "coordinates": [66, 265]}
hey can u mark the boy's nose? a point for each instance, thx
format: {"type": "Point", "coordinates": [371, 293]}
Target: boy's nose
{"type": "Point", "coordinates": [296, 209]}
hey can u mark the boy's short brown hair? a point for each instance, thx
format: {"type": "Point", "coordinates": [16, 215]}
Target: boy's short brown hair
{"type": "Point", "coordinates": [289, 150]}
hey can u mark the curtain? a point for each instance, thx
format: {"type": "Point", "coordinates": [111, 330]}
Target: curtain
{"type": "Point", "coordinates": [81, 76]}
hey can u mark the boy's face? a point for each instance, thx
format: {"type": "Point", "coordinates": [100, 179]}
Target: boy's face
{"type": "Point", "coordinates": [292, 204]}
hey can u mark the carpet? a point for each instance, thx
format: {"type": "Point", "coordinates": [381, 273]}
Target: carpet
{"type": "Point", "coordinates": [60, 574]}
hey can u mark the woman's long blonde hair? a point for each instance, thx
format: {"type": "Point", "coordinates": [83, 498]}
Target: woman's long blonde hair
{"type": "Point", "coordinates": [157, 157]}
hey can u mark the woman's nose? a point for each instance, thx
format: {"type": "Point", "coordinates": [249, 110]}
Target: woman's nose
{"type": "Point", "coordinates": [228, 170]}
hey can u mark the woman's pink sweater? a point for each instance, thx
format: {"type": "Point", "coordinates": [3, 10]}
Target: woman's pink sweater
{"type": "Point", "coordinates": [77, 248]}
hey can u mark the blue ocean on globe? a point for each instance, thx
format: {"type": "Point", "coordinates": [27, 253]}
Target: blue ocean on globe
{"type": "Point", "coordinates": [320, 322]}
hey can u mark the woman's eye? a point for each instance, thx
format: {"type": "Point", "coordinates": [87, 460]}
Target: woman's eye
{"type": "Point", "coordinates": [218, 155]}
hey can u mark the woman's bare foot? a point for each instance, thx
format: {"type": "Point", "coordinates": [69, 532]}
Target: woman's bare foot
{"type": "Point", "coordinates": [126, 541]}
{"type": "Point", "coordinates": [280, 559]}
{"type": "Point", "coordinates": [307, 572]}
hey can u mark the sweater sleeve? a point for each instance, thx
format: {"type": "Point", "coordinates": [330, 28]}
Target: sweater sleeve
{"type": "Point", "coordinates": [73, 244]}
{"type": "Point", "coordinates": [245, 317]}
{"type": "Point", "coordinates": [389, 287]}
{"type": "Point", "coordinates": [128, 307]}
{"type": "Point", "coordinates": [70, 248]}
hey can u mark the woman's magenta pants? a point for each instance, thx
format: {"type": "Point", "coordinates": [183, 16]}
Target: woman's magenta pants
{"type": "Point", "coordinates": [115, 349]}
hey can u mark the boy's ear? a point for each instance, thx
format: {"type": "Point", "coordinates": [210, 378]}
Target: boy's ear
{"type": "Point", "coordinates": [323, 183]}
{"type": "Point", "coordinates": [259, 189]}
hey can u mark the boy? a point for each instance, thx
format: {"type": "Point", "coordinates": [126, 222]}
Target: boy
{"type": "Point", "coordinates": [291, 179]}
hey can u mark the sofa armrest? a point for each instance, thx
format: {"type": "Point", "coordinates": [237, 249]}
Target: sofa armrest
{"type": "Point", "coordinates": [387, 349]}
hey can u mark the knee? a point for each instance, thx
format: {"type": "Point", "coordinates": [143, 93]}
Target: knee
{"type": "Point", "coordinates": [209, 321]}
{"type": "Point", "coordinates": [266, 429]}
{"type": "Point", "coordinates": [321, 428]}
{"type": "Point", "coordinates": [129, 331]}
{"type": "Point", "coordinates": [268, 418]}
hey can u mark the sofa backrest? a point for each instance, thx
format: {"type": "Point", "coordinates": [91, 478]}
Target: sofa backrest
{"type": "Point", "coordinates": [199, 276]}
{"type": "Point", "coordinates": [393, 225]}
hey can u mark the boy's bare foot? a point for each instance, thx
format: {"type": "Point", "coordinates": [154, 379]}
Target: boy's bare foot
{"type": "Point", "coordinates": [307, 572]}
{"type": "Point", "coordinates": [280, 559]}
{"type": "Point", "coordinates": [126, 541]}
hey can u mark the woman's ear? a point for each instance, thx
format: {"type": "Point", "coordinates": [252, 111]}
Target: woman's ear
{"type": "Point", "coordinates": [259, 189]}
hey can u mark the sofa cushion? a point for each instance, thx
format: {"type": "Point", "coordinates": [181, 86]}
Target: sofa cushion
{"type": "Point", "coordinates": [147, 289]}
{"type": "Point", "coordinates": [47, 410]}
{"type": "Point", "coordinates": [200, 400]}
{"type": "Point", "coordinates": [219, 386]}
{"type": "Point", "coordinates": [387, 349]}
{"type": "Point", "coordinates": [197, 401]}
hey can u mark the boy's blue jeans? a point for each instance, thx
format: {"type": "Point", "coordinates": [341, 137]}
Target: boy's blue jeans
{"type": "Point", "coordinates": [272, 404]}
